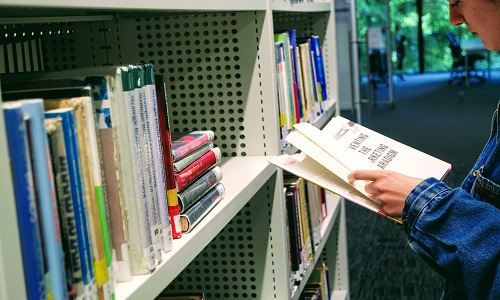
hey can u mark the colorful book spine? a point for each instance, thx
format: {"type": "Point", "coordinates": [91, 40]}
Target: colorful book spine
{"type": "Point", "coordinates": [109, 153]}
{"type": "Point", "coordinates": [191, 217]}
{"type": "Point", "coordinates": [185, 143]}
{"type": "Point", "coordinates": [166, 141]}
{"type": "Point", "coordinates": [80, 211]}
{"type": "Point", "coordinates": [284, 37]}
{"type": "Point", "coordinates": [197, 168]}
{"type": "Point", "coordinates": [96, 173]}
{"type": "Point", "coordinates": [148, 159]}
{"type": "Point", "coordinates": [159, 165]}
{"type": "Point", "coordinates": [26, 206]}
{"type": "Point", "coordinates": [90, 191]}
{"type": "Point", "coordinates": [319, 69]}
{"type": "Point", "coordinates": [141, 202]}
{"type": "Point", "coordinates": [33, 109]}
{"type": "Point", "coordinates": [182, 163]}
{"type": "Point", "coordinates": [199, 187]}
{"type": "Point", "coordinates": [72, 264]}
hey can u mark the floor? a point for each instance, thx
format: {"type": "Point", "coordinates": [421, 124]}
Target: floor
{"type": "Point", "coordinates": [445, 120]}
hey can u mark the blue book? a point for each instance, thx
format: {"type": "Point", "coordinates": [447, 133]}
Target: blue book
{"type": "Point", "coordinates": [319, 66]}
{"type": "Point", "coordinates": [191, 217]}
{"type": "Point", "coordinates": [33, 109]}
{"type": "Point", "coordinates": [26, 206]}
{"type": "Point", "coordinates": [70, 141]}
{"type": "Point", "coordinates": [295, 70]}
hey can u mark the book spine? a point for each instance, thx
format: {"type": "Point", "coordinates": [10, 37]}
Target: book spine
{"type": "Point", "coordinates": [84, 249]}
{"type": "Point", "coordinates": [96, 173]}
{"type": "Point", "coordinates": [319, 67]}
{"type": "Point", "coordinates": [294, 239]}
{"type": "Point", "coordinates": [131, 104]}
{"type": "Point", "coordinates": [199, 187]}
{"type": "Point", "coordinates": [147, 160]}
{"type": "Point", "coordinates": [197, 168]}
{"type": "Point", "coordinates": [197, 212]}
{"type": "Point", "coordinates": [182, 163]}
{"type": "Point", "coordinates": [26, 206]}
{"type": "Point", "coordinates": [33, 109]}
{"type": "Point", "coordinates": [159, 165]}
{"type": "Point", "coordinates": [296, 73]}
{"type": "Point", "coordinates": [113, 199]}
{"type": "Point", "coordinates": [166, 141]}
{"type": "Point", "coordinates": [94, 225]}
{"type": "Point", "coordinates": [189, 142]}
{"type": "Point", "coordinates": [65, 205]}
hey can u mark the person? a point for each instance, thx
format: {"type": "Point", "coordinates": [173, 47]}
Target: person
{"type": "Point", "coordinates": [455, 230]}
{"type": "Point", "coordinates": [400, 51]}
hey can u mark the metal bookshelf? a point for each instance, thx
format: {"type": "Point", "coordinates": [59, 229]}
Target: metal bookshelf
{"type": "Point", "coordinates": [218, 58]}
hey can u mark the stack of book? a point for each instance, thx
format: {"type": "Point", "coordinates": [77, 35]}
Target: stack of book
{"type": "Point", "coordinates": [197, 175]}
{"type": "Point", "coordinates": [93, 172]}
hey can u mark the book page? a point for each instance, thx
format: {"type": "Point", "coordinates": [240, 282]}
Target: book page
{"type": "Point", "coordinates": [358, 148]}
{"type": "Point", "coordinates": [307, 168]}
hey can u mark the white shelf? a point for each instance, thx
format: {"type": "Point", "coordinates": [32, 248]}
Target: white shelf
{"type": "Point", "coordinates": [288, 6]}
{"type": "Point", "coordinates": [143, 5]}
{"type": "Point", "coordinates": [233, 92]}
{"type": "Point", "coordinates": [339, 295]}
{"type": "Point", "coordinates": [240, 187]}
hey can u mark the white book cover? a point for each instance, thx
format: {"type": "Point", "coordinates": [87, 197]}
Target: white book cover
{"type": "Point", "coordinates": [329, 155]}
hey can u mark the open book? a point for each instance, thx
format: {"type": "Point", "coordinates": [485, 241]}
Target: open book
{"type": "Point", "coordinates": [329, 155]}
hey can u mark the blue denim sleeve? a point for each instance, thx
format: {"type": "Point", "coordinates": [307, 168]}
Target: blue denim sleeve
{"type": "Point", "coordinates": [456, 235]}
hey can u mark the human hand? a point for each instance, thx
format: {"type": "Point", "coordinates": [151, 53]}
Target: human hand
{"type": "Point", "coordinates": [387, 188]}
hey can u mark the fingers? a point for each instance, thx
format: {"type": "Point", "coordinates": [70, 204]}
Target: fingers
{"type": "Point", "coordinates": [371, 175]}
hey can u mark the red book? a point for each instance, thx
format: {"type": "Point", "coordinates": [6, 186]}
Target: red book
{"type": "Point", "coordinates": [197, 168]}
{"type": "Point", "coordinates": [166, 141]}
{"type": "Point", "coordinates": [185, 143]}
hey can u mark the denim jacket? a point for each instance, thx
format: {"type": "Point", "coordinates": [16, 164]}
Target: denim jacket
{"type": "Point", "coordinates": [457, 231]}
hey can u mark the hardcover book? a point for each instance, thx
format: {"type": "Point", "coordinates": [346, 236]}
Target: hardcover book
{"type": "Point", "coordinates": [197, 168]}
{"type": "Point", "coordinates": [198, 188]}
{"type": "Point", "coordinates": [329, 155]}
{"type": "Point", "coordinates": [166, 142]}
{"type": "Point", "coordinates": [26, 206]}
{"type": "Point", "coordinates": [185, 143]}
{"type": "Point", "coordinates": [191, 217]}
{"type": "Point", "coordinates": [182, 163]}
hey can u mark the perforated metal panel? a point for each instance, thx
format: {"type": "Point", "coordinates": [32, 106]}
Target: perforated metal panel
{"type": "Point", "coordinates": [213, 68]}
{"type": "Point", "coordinates": [212, 63]}
{"type": "Point", "coordinates": [233, 264]}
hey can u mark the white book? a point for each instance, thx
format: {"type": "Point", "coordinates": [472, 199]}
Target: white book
{"type": "Point", "coordinates": [329, 155]}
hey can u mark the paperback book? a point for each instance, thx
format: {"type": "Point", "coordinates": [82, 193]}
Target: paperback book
{"type": "Point", "coordinates": [26, 206]}
{"type": "Point", "coordinates": [329, 155]}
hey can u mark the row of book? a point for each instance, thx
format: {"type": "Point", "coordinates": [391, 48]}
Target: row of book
{"type": "Point", "coordinates": [300, 78]}
{"type": "Point", "coordinates": [102, 187]}
{"type": "Point", "coordinates": [306, 210]}
{"type": "Point", "coordinates": [318, 285]}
